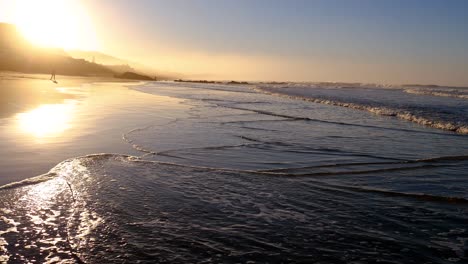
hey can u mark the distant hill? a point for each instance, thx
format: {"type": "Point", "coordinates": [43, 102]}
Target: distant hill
{"type": "Point", "coordinates": [134, 76]}
{"type": "Point", "coordinates": [17, 54]}
{"type": "Point", "coordinates": [115, 64]}
{"type": "Point", "coordinates": [98, 57]}
{"type": "Point", "coordinates": [121, 65]}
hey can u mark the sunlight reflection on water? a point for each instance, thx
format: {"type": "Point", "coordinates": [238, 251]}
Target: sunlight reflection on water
{"type": "Point", "coordinates": [48, 120]}
{"type": "Point", "coordinates": [50, 221]}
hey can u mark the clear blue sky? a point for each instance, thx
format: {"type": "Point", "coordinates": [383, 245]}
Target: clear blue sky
{"type": "Point", "coordinates": [391, 41]}
{"type": "Point", "coordinates": [307, 27]}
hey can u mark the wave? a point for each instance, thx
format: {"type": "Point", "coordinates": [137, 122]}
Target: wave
{"type": "Point", "coordinates": [62, 169]}
{"type": "Point", "coordinates": [455, 93]}
{"type": "Point", "coordinates": [58, 170]}
{"type": "Point", "coordinates": [458, 127]}
{"type": "Point", "coordinates": [117, 208]}
{"type": "Point", "coordinates": [296, 118]}
{"type": "Point", "coordinates": [417, 196]}
{"type": "Point", "coordinates": [30, 181]}
{"type": "Point", "coordinates": [354, 172]}
{"type": "Point", "coordinates": [436, 160]}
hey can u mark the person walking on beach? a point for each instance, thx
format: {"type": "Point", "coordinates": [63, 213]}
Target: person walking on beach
{"type": "Point", "coordinates": [52, 77]}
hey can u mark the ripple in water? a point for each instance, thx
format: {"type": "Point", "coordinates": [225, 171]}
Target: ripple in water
{"type": "Point", "coordinates": [110, 208]}
{"type": "Point", "coordinates": [249, 177]}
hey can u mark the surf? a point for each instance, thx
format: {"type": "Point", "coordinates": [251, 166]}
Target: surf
{"type": "Point", "coordinates": [427, 112]}
{"type": "Point", "coordinates": [111, 207]}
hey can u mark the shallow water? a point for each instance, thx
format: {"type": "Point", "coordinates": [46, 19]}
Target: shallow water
{"type": "Point", "coordinates": [43, 124]}
{"type": "Point", "coordinates": [221, 173]}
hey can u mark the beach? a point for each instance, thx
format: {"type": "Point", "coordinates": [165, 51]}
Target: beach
{"type": "Point", "coordinates": [45, 123]}
{"type": "Point", "coordinates": [102, 171]}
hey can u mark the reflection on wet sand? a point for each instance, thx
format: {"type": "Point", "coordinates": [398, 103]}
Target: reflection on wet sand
{"type": "Point", "coordinates": [42, 124]}
{"type": "Point", "coordinates": [22, 95]}
{"type": "Point", "coordinates": [47, 120]}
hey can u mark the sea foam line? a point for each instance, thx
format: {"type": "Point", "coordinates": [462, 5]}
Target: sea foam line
{"type": "Point", "coordinates": [56, 172]}
{"type": "Point", "coordinates": [447, 93]}
{"type": "Point", "coordinates": [384, 111]}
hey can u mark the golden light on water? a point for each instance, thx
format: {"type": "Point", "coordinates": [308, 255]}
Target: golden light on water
{"type": "Point", "coordinates": [48, 120]}
{"type": "Point", "coordinates": [55, 23]}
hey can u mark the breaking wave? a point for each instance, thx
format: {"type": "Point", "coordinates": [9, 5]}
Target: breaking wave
{"type": "Point", "coordinates": [438, 91]}
{"type": "Point", "coordinates": [452, 118]}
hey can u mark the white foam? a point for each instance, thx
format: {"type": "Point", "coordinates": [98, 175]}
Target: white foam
{"type": "Point", "coordinates": [30, 181]}
{"type": "Point", "coordinates": [455, 93]}
{"type": "Point", "coordinates": [384, 111]}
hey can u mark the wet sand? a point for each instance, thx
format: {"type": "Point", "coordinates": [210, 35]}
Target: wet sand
{"type": "Point", "coordinates": [43, 123]}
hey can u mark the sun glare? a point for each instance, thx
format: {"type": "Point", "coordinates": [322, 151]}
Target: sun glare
{"type": "Point", "coordinates": [47, 120]}
{"type": "Point", "coordinates": [55, 23]}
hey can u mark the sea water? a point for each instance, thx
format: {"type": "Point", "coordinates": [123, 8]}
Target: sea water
{"type": "Point", "coordinates": [264, 173]}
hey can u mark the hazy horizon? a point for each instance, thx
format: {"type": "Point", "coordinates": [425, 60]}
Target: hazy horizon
{"type": "Point", "coordinates": [396, 42]}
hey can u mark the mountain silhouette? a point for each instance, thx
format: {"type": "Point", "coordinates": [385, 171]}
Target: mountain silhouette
{"type": "Point", "coordinates": [17, 54]}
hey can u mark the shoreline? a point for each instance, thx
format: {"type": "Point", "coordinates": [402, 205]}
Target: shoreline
{"type": "Point", "coordinates": [44, 123]}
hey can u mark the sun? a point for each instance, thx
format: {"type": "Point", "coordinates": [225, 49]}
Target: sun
{"type": "Point", "coordinates": [55, 23]}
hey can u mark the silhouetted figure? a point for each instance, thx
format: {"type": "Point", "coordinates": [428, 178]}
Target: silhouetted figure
{"type": "Point", "coordinates": [52, 77]}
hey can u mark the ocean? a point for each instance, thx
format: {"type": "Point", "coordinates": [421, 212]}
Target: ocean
{"type": "Point", "coordinates": [165, 172]}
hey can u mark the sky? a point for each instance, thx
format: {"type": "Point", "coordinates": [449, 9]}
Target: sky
{"type": "Point", "coordinates": [411, 41]}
